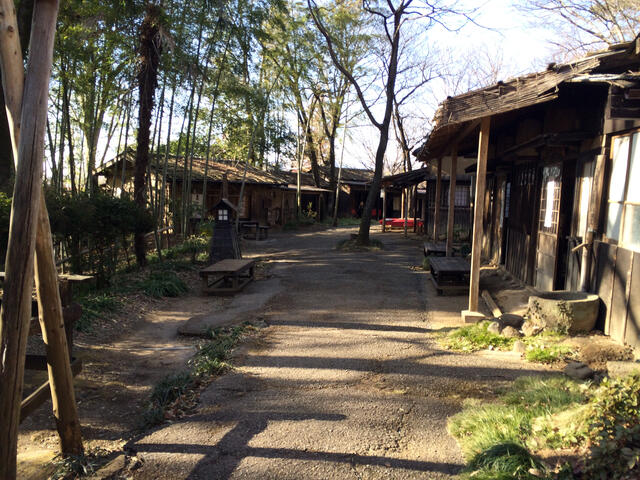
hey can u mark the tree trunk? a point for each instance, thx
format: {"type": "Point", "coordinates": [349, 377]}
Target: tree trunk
{"type": "Point", "coordinates": [149, 52]}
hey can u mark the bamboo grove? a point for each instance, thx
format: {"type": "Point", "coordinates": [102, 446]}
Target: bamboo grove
{"type": "Point", "coordinates": [234, 80]}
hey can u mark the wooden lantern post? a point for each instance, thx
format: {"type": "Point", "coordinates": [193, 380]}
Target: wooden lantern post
{"type": "Point", "coordinates": [478, 213]}
{"type": "Point", "coordinates": [452, 199]}
{"type": "Point", "coordinates": [436, 212]}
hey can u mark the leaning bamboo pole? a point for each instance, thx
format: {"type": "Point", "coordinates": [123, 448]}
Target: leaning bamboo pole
{"type": "Point", "coordinates": [28, 150]}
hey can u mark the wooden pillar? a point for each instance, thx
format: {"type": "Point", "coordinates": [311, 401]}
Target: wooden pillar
{"type": "Point", "coordinates": [49, 302]}
{"type": "Point", "coordinates": [436, 213]}
{"type": "Point", "coordinates": [384, 209]}
{"type": "Point", "coordinates": [406, 209]}
{"type": "Point", "coordinates": [452, 199]}
{"type": "Point", "coordinates": [595, 203]}
{"type": "Point", "coordinates": [415, 209]}
{"type": "Point", "coordinates": [478, 213]}
{"type": "Point", "coordinates": [424, 208]}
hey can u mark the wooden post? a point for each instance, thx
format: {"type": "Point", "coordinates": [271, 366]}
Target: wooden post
{"type": "Point", "coordinates": [415, 209]}
{"type": "Point", "coordinates": [452, 199]}
{"type": "Point", "coordinates": [51, 319]}
{"type": "Point", "coordinates": [595, 202]}
{"type": "Point", "coordinates": [30, 152]}
{"type": "Point", "coordinates": [478, 212]}
{"type": "Point", "coordinates": [424, 207]}
{"type": "Point", "coordinates": [384, 209]}
{"type": "Point", "coordinates": [436, 213]}
{"type": "Point", "coordinates": [49, 301]}
{"type": "Point", "coordinates": [405, 205]}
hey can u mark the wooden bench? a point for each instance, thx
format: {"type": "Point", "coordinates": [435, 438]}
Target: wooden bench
{"type": "Point", "coordinates": [435, 249]}
{"type": "Point", "coordinates": [450, 274]}
{"type": "Point", "coordinates": [227, 277]}
{"type": "Point", "coordinates": [263, 232]}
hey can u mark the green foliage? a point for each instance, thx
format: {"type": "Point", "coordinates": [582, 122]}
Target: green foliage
{"type": "Point", "coordinates": [211, 356]}
{"type": "Point", "coordinates": [475, 337]}
{"type": "Point", "coordinates": [614, 430]}
{"type": "Point", "coordinates": [96, 222]}
{"type": "Point", "coordinates": [494, 437]}
{"type": "Point", "coordinates": [75, 466]}
{"type": "Point", "coordinates": [426, 264]}
{"type": "Point", "coordinates": [163, 284]}
{"type": "Point", "coordinates": [167, 391]}
{"type": "Point", "coordinates": [548, 353]}
{"type": "Point", "coordinates": [508, 459]}
{"type": "Point", "coordinates": [5, 216]}
{"type": "Point", "coordinates": [95, 306]}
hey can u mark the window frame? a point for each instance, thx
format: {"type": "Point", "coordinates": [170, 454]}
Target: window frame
{"type": "Point", "coordinates": [624, 202]}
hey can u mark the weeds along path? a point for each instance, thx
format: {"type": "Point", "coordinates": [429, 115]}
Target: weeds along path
{"type": "Point", "coordinates": [347, 380]}
{"type": "Point", "coordinates": [121, 365]}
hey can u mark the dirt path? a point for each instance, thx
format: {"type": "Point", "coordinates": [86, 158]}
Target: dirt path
{"type": "Point", "coordinates": [121, 364]}
{"type": "Point", "coordinates": [346, 382]}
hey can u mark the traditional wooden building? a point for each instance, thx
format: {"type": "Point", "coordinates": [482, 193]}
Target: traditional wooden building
{"type": "Point", "coordinates": [557, 178]}
{"type": "Point", "coordinates": [269, 198]}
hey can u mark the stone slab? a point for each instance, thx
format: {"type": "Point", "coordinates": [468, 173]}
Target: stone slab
{"type": "Point", "coordinates": [243, 306]}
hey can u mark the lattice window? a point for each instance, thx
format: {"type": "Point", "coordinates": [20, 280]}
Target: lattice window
{"type": "Point", "coordinates": [550, 204]}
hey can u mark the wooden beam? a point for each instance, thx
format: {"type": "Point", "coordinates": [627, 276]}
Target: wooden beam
{"type": "Point", "coordinates": [40, 395]}
{"type": "Point", "coordinates": [452, 199]}
{"type": "Point", "coordinates": [436, 208]}
{"type": "Point", "coordinates": [493, 306]}
{"type": "Point", "coordinates": [478, 213]}
{"type": "Point", "coordinates": [405, 207]}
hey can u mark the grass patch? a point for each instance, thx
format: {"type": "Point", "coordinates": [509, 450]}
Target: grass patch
{"type": "Point", "coordinates": [475, 337]}
{"type": "Point", "coordinates": [176, 393]}
{"type": "Point", "coordinates": [497, 438]}
{"type": "Point", "coordinates": [352, 245]}
{"type": "Point", "coordinates": [163, 284]}
{"type": "Point", "coordinates": [504, 461]}
{"type": "Point", "coordinates": [548, 354]}
{"type": "Point", "coordinates": [95, 306]}
{"type": "Point", "coordinates": [74, 466]}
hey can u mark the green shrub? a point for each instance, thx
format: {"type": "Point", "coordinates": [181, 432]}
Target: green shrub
{"type": "Point", "coordinates": [494, 437]}
{"type": "Point", "coordinates": [163, 284]}
{"type": "Point", "coordinates": [95, 306]}
{"type": "Point", "coordinates": [614, 430]}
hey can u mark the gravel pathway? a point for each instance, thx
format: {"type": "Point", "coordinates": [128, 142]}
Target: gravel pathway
{"type": "Point", "coordinates": [346, 382]}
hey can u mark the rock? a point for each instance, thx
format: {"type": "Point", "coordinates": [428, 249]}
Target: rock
{"type": "Point", "coordinates": [578, 371]}
{"type": "Point", "coordinates": [511, 320]}
{"type": "Point", "coordinates": [519, 347]}
{"type": "Point", "coordinates": [530, 329]}
{"type": "Point", "coordinates": [494, 327]}
{"type": "Point", "coordinates": [510, 332]}
{"type": "Point", "coordinates": [622, 369]}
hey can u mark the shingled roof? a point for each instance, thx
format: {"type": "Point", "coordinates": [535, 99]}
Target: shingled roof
{"type": "Point", "coordinates": [458, 116]}
{"type": "Point", "coordinates": [216, 169]}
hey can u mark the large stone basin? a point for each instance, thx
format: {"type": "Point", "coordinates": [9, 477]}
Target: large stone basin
{"type": "Point", "coordinates": [564, 311]}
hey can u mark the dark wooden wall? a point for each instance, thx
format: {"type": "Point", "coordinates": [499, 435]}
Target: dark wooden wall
{"type": "Point", "coordinates": [616, 279]}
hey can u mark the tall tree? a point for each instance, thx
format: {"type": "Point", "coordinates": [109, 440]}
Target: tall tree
{"type": "Point", "coordinates": [579, 25]}
{"type": "Point", "coordinates": [149, 58]}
